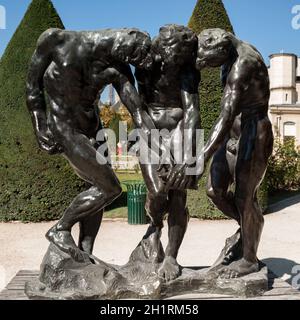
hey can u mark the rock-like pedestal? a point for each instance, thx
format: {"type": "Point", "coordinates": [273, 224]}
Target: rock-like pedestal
{"type": "Point", "coordinates": [63, 278]}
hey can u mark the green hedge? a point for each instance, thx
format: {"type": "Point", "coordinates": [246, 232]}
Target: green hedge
{"type": "Point", "coordinates": [207, 14]}
{"type": "Point", "coordinates": [34, 186]}
{"type": "Point", "coordinates": [200, 206]}
{"type": "Point", "coordinates": [210, 14]}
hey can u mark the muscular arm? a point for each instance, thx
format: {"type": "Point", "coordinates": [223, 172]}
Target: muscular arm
{"type": "Point", "coordinates": [133, 102]}
{"type": "Point", "coordinates": [191, 120]}
{"type": "Point", "coordinates": [35, 97]}
{"type": "Point", "coordinates": [230, 104]}
{"type": "Point", "coordinates": [40, 61]}
{"type": "Point", "coordinates": [131, 99]}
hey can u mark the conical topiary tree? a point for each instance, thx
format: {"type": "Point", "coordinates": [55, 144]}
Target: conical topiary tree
{"type": "Point", "coordinates": [208, 14]}
{"type": "Point", "coordinates": [33, 185]}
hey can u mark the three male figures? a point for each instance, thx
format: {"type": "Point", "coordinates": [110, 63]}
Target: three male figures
{"type": "Point", "coordinates": [169, 100]}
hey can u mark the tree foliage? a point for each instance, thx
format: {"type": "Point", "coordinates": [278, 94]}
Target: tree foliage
{"type": "Point", "coordinates": [284, 167]}
{"type": "Point", "coordinates": [106, 115]}
{"type": "Point", "coordinates": [208, 14]}
{"type": "Point", "coordinates": [33, 185]}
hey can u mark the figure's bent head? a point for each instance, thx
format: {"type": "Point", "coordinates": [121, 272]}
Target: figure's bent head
{"type": "Point", "coordinates": [133, 46]}
{"type": "Point", "coordinates": [214, 48]}
{"type": "Point", "coordinates": [175, 45]}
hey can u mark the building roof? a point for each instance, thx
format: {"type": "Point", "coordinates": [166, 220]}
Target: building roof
{"type": "Point", "coordinates": [282, 54]}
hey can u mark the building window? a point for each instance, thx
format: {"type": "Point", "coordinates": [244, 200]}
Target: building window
{"type": "Point", "coordinates": [289, 131]}
{"type": "Point", "coordinates": [286, 97]}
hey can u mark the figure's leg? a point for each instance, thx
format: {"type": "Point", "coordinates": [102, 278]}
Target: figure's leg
{"type": "Point", "coordinates": [156, 207]}
{"type": "Point", "coordinates": [249, 174]}
{"type": "Point", "coordinates": [89, 228]}
{"type": "Point", "coordinates": [219, 180]}
{"type": "Point", "coordinates": [106, 188]}
{"type": "Point", "coordinates": [177, 221]}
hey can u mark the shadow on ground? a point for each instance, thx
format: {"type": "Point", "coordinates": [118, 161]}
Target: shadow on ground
{"type": "Point", "coordinates": [283, 204]}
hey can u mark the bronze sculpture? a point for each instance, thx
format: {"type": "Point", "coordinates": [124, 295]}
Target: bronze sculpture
{"type": "Point", "coordinates": [246, 94]}
{"type": "Point", "coordinates": [169, 93]}
{"type": "Point", "coordinates": [73, 67]}
{"type": "Point", "coordinates": [244, 114]}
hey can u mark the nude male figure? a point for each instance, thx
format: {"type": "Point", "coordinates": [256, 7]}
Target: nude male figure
{"type": "Point", "coordinates": [240, 144]}
{"type": "Point", "coordinates": [73, 67]}
{"type": "Point", "coordinates": [169, 92]}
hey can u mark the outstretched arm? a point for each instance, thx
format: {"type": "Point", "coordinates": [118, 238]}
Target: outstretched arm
{"type": "Point", "coordinates": [230, 108]}
{"type": "Point", "coordinates": [35, 97]}
{"type": "Point", "coordinates": [237, 84]}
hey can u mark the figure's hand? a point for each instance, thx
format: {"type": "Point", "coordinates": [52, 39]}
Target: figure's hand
{"type": "Point", "coordinates": [177, 178]}
{"type": "Point", "coordinates": [46, 142]}
{"type": "Point", "coordinates": [183, 176]}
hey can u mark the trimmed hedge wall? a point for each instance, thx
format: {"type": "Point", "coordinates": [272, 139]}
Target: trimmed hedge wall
{"type": "Point", "coordinates": [207, 14]}
{"type": "Point", "coordinates": [210, 14]}
{"type": "Point", "coordinates": [33, 185]}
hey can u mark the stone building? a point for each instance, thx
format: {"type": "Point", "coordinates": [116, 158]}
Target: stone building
{"type": "Point", "coordinates": [284, 103]}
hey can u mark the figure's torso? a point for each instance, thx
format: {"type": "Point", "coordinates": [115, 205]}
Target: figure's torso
{"type": "Point", "coordinates": [251, 74]}
{"type": "Point", "coordinates": [76, 72]}
{"type": "Point", "coordinates": [249, 70]}
{"type": "Point", "coordinates": [75, 78]}
{"type": "Point", "coordinates": [161, 92]}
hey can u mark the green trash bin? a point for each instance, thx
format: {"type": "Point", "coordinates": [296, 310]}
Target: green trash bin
{"type": "Point", "coordinates": [136, 199]}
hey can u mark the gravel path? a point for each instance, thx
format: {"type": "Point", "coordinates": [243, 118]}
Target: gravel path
{"type": "Point", "coordinates": [23, 245]}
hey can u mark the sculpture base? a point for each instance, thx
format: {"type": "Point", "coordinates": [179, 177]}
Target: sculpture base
{"type": "Point", "coordinates": [63, 278]}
